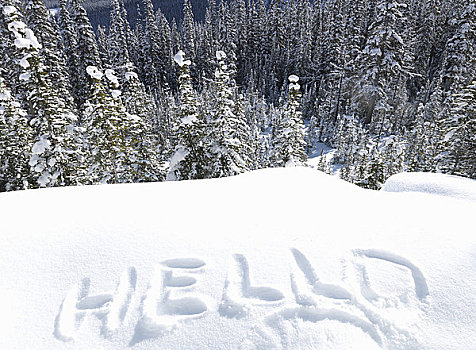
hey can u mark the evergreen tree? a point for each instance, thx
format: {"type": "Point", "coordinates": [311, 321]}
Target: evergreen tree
{"type": "Point", "coordinates": [15, 143]}
{"type": "Point", "coordinates": [224, 140]}
{"type": "Point", "coordinates": [381, 67]}
{"type": "Point", "coordinates": [87, 49]}
{"type": "Point", "coordinates": [459, 66]}
{"type": "Point", "coordinates": [117, 41]}
{"type": "Point", "coordinates": [459, 157]}
{"type": "Point", "coordinates": [55, 152]}
{"type": "Point", "coordinates": [151, 48]}
{"type": "Point", "coordinates": [53, 156]}
{"type": "Point", "coordinates": [146, 140]}
{"type": "Point", "coordinates": [46, 30]}
{"type": "Point", "coordinates": [111, 133]}
{"type": "Point", "coordinates": [289, 140]}
{"type": "Point", "coordinates": [70, 43]}
{"type": "Point", "coordinates": [189, 160]}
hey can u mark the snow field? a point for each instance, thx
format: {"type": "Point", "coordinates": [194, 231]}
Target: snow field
{"type": "Point", "coordinates": [274, 259]}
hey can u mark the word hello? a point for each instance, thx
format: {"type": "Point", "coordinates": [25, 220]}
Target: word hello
{"type": "Point", "coordinates": [170, 299]}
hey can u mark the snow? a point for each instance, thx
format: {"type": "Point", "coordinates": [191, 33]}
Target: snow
{"type": "Point", "coordinates": [54, 12]}
{"type": "Point", "coordinates": [24, 61]}
{"type": "Point", "coordinates": [294, 86]}
{"type": "Point", "coordinates": [30, 36]}
{"type": "Point", "coordinates": [188, 120]}
{"type": "Point", "coordinates": [40, 146]}
{"type": "Point", "coordinates": [436, 184]}
{"type": "Point", "coordinates": [5, 96]}
{"type": "Point", "coordinates": [25, 76]}
{"type": "Point", "coordinates": [178, 156]}
{"type": "Point", "coordinates": [23, 41]}
{"type": "Point", "coordinates": [220, 55]}
{"type": "Point", "coordinates": [116, 93]}
{"type": "Point", "coordinates": [111, 77]}
{"type": "Point", "coordinates": [179, 59]}
{"type": "Point", "coordinates": [376, 52]}
{"type": "Point", "coordinates": [285, 258]}
{"type": "Point", "coordinates": [8, 10]}
{"type": "Point", "coordinates": [131, 75]}
{"type": "Point", "coordinates": [94, 72]}
{"type": "Point", "coordinates": [44, 179]}
{"type": "Point", "coordinates": [290, 163]}
{"type": "Point", "coordinates": [15, 26]}
{"type": "Point", "coordinates": [293, 78]}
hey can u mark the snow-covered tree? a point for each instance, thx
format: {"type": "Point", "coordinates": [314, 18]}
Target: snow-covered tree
{"type": "Point", "coordinates": [40, 21]}
{"type": "Point", "coordinates": [382, 68]}
{"type": "Point", "coordinates": [289, 140]}
{"type": "Point", "coordinates": [109, 132]}
{"type": "Point", "coordinates": [459, 156]}
{"type": "Point", "coordinates": [189, 160]}
{"type": "Point", "coordinates": [70, 43]}
{"type": "Point", "coordinates": [15, 143]}
{"type": "Point", "coordinates": [87, 49]}
{"type": "Point", "coordinates": [224, 138]}
{"type": "Point", "coordinates": [146, 140]}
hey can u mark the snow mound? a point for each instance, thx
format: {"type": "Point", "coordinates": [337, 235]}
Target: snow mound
{"type": "Point", "coordinates": [437, 184]}
{"type": "Point", "coordinates": [286, 258]}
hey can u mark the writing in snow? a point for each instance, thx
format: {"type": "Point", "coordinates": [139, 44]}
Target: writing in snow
{"type": "Point", "coordinates": [171, 298]}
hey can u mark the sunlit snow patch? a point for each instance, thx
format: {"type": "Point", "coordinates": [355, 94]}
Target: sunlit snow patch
{"type": "Point", "coordinates": [438, 184]}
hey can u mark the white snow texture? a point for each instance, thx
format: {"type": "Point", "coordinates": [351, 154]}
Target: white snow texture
{"type": "Point", "coordinates": [285, 258]}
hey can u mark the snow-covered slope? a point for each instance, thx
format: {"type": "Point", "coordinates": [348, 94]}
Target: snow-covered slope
{"type": "Point", "coordinates": [437, 184]}
{"type": "Point", "coordinates": [274, 259]}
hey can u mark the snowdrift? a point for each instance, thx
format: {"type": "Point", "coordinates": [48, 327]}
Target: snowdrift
{"type": "Point", "coordinates": [274, 259]}
{"type": "Point", "coordinates": [437, 184]}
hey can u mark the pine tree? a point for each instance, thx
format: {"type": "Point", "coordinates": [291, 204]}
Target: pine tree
{"type": "Point", "coordinates": [459, 157]}
{"type": "Point", "coordinates": [459, 66]}
{"type": "Point", "coordinates": [375, 170]}
{"type": "Point", "coordinates": [55, 152]}
{"type": "Point", "coordinates": [15, 143]}
{"type": "Point", "coordinates": [188, 30]}
{"type": "Point", "coordinates": [13, 32]}
{"type": "Point", "coordinates": [119, 57]}
{"type": "Point", "coordinates": [146, 140]}
{"type": "Point", "coordinates": [70, 43]}
{"type": "Point", "coordinates": [87, 49]}
{"type": "Point", "coordinates": [111, 132]}
{"type": "Point", "coordinates": [289, 141]}
{"type": "Point", "coordinates": [224, 139]}
{"type": "Point", "coordinates": [151, 48]}
{"type": "Point", "coordinates": [381, 67]}
{"type": "Point", "coordinates": [189, 160]}
{"type": "Point", "coordinates": [39, 20]}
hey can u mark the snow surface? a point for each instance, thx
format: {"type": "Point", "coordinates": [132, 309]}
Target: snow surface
{"type": "Point", "coordinates": [437, 184]}
{"type": "Point", "coordinates": [285, 258]}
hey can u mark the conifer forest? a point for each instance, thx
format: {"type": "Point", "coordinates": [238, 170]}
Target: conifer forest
{"type": "Point", "coordinates": [389, 85]}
